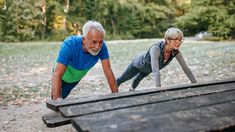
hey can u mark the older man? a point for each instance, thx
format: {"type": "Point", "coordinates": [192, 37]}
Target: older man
{"type": "Point", "coordinates": [77, 55]}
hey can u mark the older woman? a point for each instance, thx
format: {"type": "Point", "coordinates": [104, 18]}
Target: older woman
{"type": "Point", "coordinates": [157, 57]}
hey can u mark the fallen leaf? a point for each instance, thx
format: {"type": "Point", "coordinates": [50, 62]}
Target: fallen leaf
{"type": "Point", "coordinates": [7, 126]}
{"type": "Point", "coordinates": [18, 102]}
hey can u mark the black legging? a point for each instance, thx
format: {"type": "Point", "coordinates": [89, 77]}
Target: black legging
{"type": "Point", "coordinates": [129, 73]}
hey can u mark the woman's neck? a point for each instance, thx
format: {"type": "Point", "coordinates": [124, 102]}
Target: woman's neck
{"type": "Point", "coordinates": [167, 48]}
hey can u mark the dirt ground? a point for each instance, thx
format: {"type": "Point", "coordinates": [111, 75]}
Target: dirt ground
{"type": "Point", "coordinates": [27, 118]}
{"type": "Point", "coordinates": [215, 61]}
{"type": "Point", "coordinates": [26, 115]}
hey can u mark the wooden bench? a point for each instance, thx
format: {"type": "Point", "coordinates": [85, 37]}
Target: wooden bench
{"type": "Point", "coordinates": [54, 119]}
{"type": "Point", "coordinates": [208, 106]}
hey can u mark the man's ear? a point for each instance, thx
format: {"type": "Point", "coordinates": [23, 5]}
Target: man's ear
{"type": "Point", "coordinates": [83, 40]}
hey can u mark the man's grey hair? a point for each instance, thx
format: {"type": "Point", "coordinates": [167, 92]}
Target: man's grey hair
{"type": "Point", "coordinates": [173, 33]}
{"type": "Point", "coordinates": [92, 25]}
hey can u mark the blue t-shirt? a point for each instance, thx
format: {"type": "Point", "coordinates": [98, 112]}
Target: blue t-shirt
{"type": "Point", "coordinates": [78, 61]}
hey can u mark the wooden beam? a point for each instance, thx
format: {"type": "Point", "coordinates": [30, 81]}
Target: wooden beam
{"type": "Point", "coordinates": [121, 103]}
{"type": "Point", "coordinates": [54, 104]}
{"type": "Point", "coordinates": [201, 113]}
{"type": "Point", "coordinates": [55, 119]}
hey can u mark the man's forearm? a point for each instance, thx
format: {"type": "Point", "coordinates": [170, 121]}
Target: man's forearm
{"type": "Point", "coordinates": [112, 82]}
{"type": "Point", "coordinates": [113, 86]}
{"type": "Point", "coordinates": [56, 87]}
{"type": "Point", "coordinates": [109, 75]}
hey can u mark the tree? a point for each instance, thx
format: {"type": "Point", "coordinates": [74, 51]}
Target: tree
{"type": "Point", "coordinates": [54, 20]}
{"type": "Point", "coordinates": [215, 16]}
{"type": "Point", "coordinates": [20, 20]}
{"type": "Point", "coordinates": [2, 14]}
{"type": "Point", "coordinates": [155, 17]}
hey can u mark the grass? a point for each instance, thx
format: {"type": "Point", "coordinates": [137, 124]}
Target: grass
{"type": "Point", "coordinates": [25, 68]}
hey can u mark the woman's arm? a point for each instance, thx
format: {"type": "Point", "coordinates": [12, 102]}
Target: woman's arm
{"type": "Point", "coordinates": [185, 68]}
{"type": "Point", "coordinates": [155, 53]}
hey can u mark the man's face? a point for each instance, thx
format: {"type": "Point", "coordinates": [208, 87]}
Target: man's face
{"type": "Point", "coordinates": [93, 41]}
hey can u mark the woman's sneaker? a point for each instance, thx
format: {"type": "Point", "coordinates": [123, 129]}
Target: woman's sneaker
{"type": "Point", "coordinates": [131, 89]}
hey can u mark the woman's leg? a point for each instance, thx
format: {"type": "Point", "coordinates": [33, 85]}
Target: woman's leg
{"type": "Point", "coordinates": [128, 74]}
{"type": "Point", "coordinates": [137, 79]}
{"type": "Point", "coordinates": [67, 87]}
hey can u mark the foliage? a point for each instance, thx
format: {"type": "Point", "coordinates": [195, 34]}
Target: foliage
{"type": "Point", "coordinates": [2, 4]}
{"type": "Point", "coordinates": [20, 20]}
{"type": "Point", "coordinates": [26, 20]}
{"type": "Point", "coordinates": [155, 19]}
{"type": "Point", "coordinates": [215, 16]}
{"type": "Point", "coordinates": [54, 20]}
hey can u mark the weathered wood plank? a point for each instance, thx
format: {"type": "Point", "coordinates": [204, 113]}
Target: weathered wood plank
{"type": "Point", "coordinates": [55, 119]}
{"type": "Point", "coordinates": [54, 105]}
{"type": "Point", "coordinates": [213, 117]}
{"type": "Point", "coordinates": [120, 103]}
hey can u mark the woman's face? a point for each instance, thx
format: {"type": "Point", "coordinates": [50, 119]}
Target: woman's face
{"type": "Point", "coordinates": [175, 43]}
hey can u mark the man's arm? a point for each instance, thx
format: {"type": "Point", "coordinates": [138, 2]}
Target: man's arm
{"type": "Point", "coordinates": [109, 75]}
{"type": "Point", "coordinates": [56, 81]}
{"type": "Point", "coordinates": [186, 69]}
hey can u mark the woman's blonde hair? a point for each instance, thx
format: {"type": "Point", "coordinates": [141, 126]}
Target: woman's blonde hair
{"type": "Point", "coordinates": [173, 33]}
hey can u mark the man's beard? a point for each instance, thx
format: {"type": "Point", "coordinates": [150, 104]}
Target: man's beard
{"type": "Point", "coordinates": [92, 52]}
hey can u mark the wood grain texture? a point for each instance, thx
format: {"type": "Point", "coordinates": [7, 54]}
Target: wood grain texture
{"type": "Point", "coordinates": [133, 101]}
{"type": "Point", "coordinates": [55, 119]}
{"type": "Point", "coordinates": [54, 104]}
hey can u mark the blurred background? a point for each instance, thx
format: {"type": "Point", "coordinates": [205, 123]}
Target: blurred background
{"type": "Point", "coordinates": [31, 32]}
{"type": "Point", "coordinates": [53, 20]}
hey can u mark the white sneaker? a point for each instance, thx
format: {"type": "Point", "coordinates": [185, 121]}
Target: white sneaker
{"type": "Point", "coordinates": [131, 89]}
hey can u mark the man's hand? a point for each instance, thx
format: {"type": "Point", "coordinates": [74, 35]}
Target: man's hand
{"type": "Point", "coordinates": [56, 81]}
{"type": "Point", "coordinates": [109, 75]}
